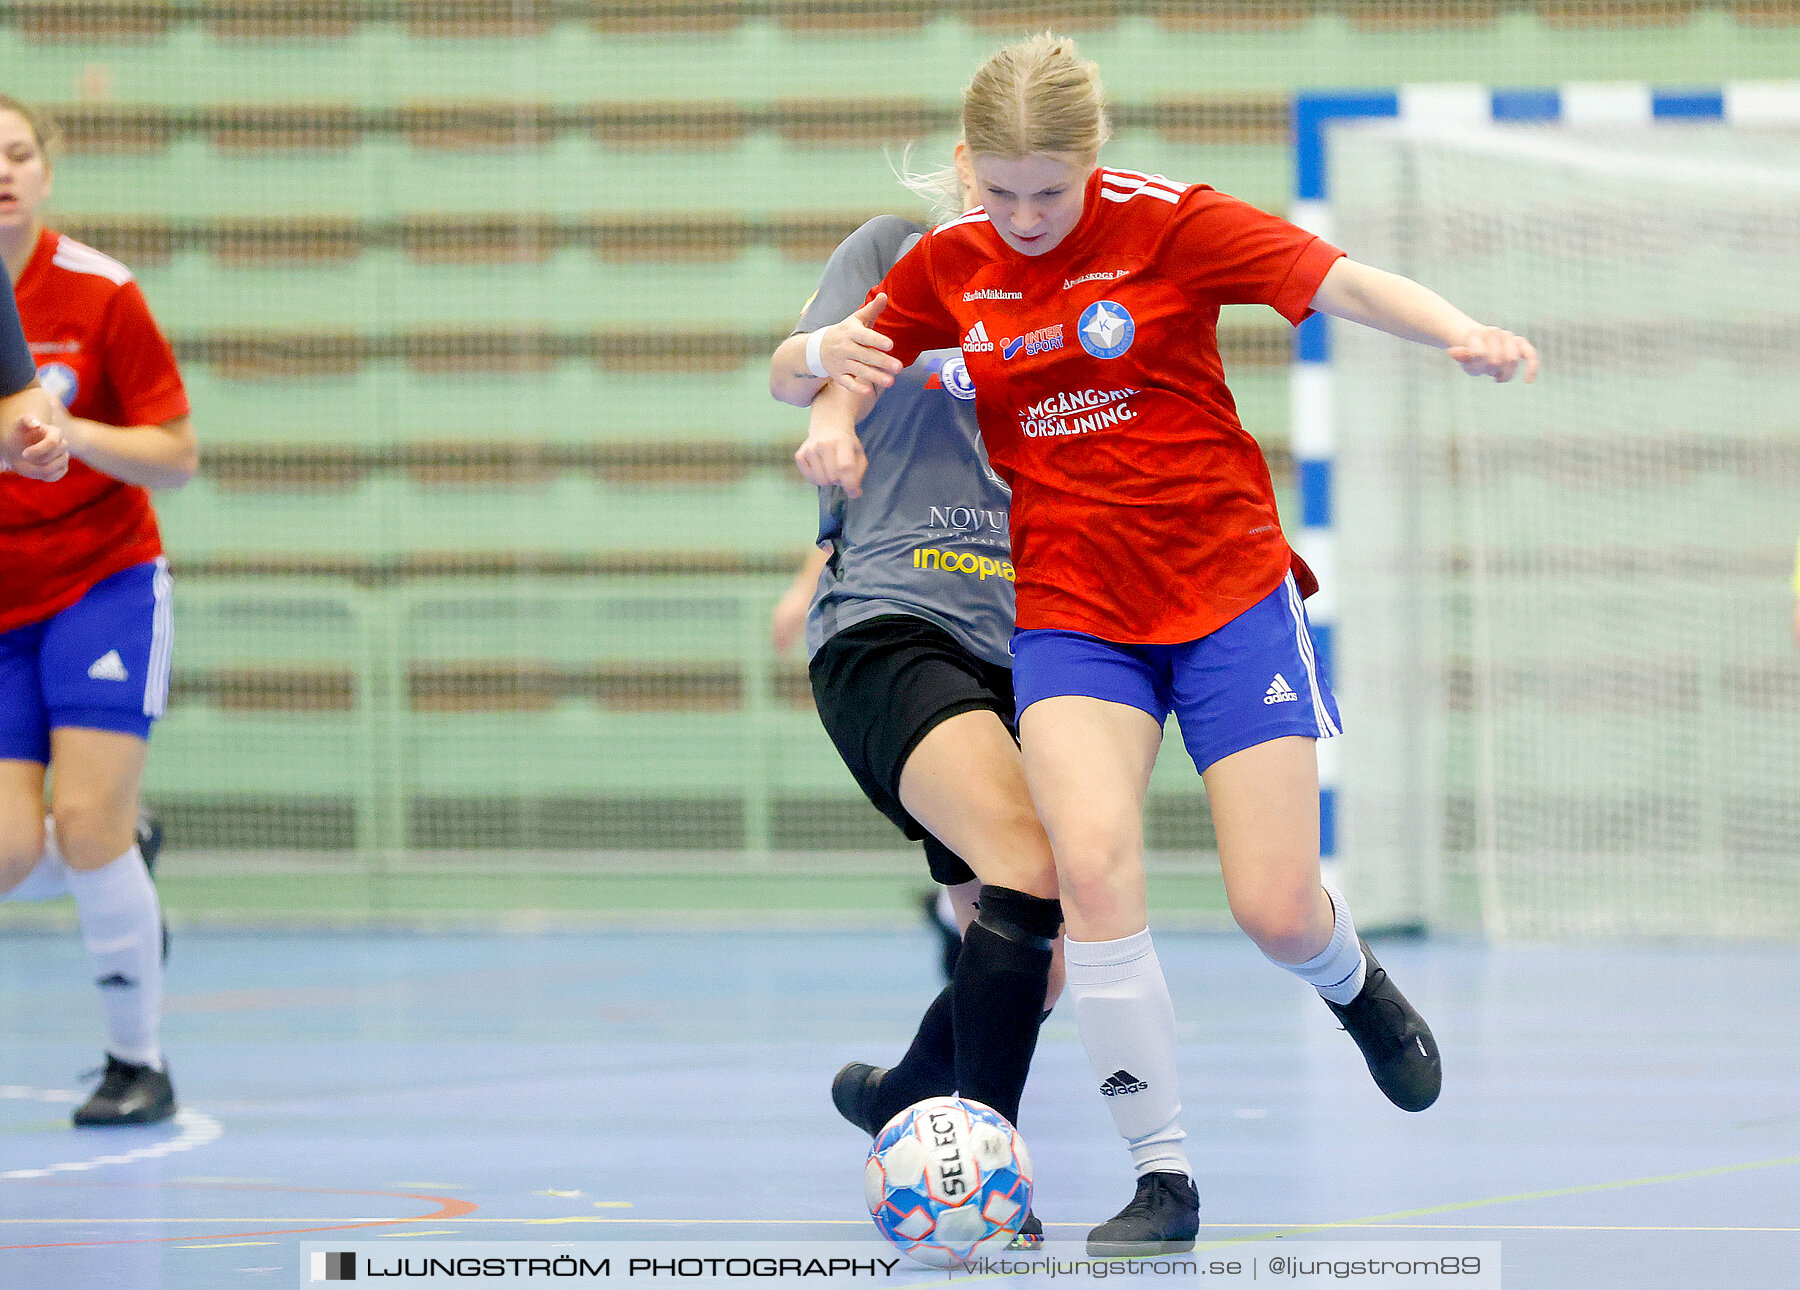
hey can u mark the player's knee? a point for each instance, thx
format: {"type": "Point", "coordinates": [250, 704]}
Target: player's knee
{"type": "Point", "coordinates": [1282, 918]}
{"type": "Point", "coordinates": [1030, 869]}
{"type": "Point", "coordinates": [20, 850]}
{"type": "Point", "coordinates": [90, 831]}
{"type": "Point", "coordinates": [1019, 916]}
{"type": "Point", "coordinates": [21, 835]}
{"type": "Point", "coordinates": [1095, 866]}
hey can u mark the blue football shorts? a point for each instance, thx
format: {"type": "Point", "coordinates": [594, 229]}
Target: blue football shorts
{"type": "Point", "coordinates": [100, 664]}
{"type": "Point", "coordinates": [1253, 680]}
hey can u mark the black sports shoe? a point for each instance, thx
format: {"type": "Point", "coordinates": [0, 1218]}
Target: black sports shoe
{"type": "Point", "coordinates": [149, 837]}
{"type": "Point", "coordinates": [1395, 1041]}
{"type": "Point", "coordinates": [853, 1094]}
{"type": "Point", "coordinates": [128, 1094]}
{"type": "Point", "coordinates": [1030, 1235]}
{"type": "Point", "coordinates": [1163, 1218]}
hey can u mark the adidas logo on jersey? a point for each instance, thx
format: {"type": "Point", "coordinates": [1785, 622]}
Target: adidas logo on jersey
{"type": "Point", "coordinates": [1121, 1082]}
{"type": "Point", "coordinates": [109, 667]}
{"type": "Point", "coordinates": [976, 341]}
{"type": "Point", "coordinates": [1280, 691]}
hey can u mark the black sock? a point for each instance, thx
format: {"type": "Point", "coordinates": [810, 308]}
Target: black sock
{"type": "Point", "coordinates": [929, 1067]}
{"type": "Point", "coordinates": [998, 995]}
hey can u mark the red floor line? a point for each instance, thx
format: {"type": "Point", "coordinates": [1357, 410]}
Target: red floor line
{"type": "Point", "coordinates": [449, 1208]}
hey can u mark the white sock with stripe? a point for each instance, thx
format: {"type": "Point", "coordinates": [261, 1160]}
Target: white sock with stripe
{"type": "Point", "coordinates": [1127, 1024]}
{"type": "Point", "coordinates": [121, 923]}
{"type": "Point", "coordinates": [1337, 971]}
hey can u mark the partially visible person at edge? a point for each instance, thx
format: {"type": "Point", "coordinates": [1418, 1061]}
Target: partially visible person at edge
{"type": "Point", "coordinates": [1152, 571]}
{"type": "Point", "coordinates": [1797, 597]}
{"type": "Point", "coordinates": [85, 619]}
{"type": "Point", "coordinates": [907, 608]}
{"type": "Point", "coordinates": [30, 443]}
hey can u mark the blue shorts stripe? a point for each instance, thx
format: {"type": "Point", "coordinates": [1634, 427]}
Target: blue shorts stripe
{"type": "Point", "coordinates": [1303, 639]}
{"type": "Point", "coordinates": [162, 640]}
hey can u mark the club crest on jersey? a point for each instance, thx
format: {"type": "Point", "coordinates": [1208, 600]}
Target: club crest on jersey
{"type": "Point", "coordinates": [955, 375]}
{"type": "Point", "coordinates": [60, 380]}
{"type": "Point", "coordinates": [1106, 329]}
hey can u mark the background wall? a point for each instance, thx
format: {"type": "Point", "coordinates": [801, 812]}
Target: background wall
{"type": "Point", "coordinates": [474, 302]}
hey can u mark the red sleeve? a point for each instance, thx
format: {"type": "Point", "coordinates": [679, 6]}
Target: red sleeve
{"type": "Point", "coordinates": [140, 365]}
{"type": "Point", "coordinates": [1227, 252]}
{"type": "Point", "coordinates": [915, 318]}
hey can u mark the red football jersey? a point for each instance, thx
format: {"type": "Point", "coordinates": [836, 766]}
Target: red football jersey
{"type": "Point", "coordinates": [1142, 510]}
{"type": "Point", "coordinates": [99, 351]}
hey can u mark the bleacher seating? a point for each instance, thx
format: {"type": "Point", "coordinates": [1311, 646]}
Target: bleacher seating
{"type": "Point", "coordinates": [474, 298]}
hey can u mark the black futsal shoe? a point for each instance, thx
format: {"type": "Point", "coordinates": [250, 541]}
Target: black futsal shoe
{"type": "Point", "coordinates": [1163, 1218]}
{"type": "Point", "coordinates": [1030, 1235]}
{"type": "Point", "coordinates": [853, 1092]}
{"type": "Point", "coordinates": [1395, 1041]}
{"type": "Point", "coordinates": [149, 838]}
{"type": "Point", "coordinates": [128, 1094]}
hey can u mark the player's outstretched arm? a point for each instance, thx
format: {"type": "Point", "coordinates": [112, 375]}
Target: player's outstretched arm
{"type": "Point", "coordinates": [788, 620]}
{"type": "Point", "coordinates": [848, 353]}
{"type": "Point", "coordinates": [1401, 307]}
{"type": "Point", "coordinates": [151, 456]}
{"type": "Point", "coordinates": [832, 454]}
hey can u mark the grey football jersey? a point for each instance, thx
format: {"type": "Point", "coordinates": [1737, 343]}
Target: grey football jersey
{"type": "Point", "coordinates": [928, 536]}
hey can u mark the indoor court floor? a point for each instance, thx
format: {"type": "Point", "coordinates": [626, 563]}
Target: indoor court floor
{"type": "Point", "coordinates": [1613, 1117]}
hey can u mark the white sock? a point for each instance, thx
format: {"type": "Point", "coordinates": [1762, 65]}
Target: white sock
{"type": "Point", "coordinates": [121, 923]}
{"type": "Point", "coordinates": [1338, 970]}
{"type": "Point", "coordinates": [1127, 1025]}
{"type": "Point", "coordinates": [49, 880]}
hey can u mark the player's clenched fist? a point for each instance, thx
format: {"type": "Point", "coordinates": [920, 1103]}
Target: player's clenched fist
{"type": "Point", "coordinates": [34, 450]}
{"type": "Point", "coordinates": [832, 455]}
{"type": "Point", "coordinates": [1496, 352]}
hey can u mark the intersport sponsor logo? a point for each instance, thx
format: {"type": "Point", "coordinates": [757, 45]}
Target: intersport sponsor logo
{"type": "Point", "coordinates": [1076, 412]}
{"type": "Point", "coordinates": [1041, 341]}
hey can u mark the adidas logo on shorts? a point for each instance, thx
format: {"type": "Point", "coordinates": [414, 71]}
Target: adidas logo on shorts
{"type": "Point", "coordinates": [1280, 691]}
{"type": "Point", "coordinates": [109, 667]}
{"type": "Point", "coordinates": [1121, 1082]}
{"type": "Point", "coordinates": [976, 341]}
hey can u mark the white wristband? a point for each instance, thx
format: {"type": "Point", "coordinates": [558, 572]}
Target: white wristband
{"type": "Point", "coordinates": [814, 363]}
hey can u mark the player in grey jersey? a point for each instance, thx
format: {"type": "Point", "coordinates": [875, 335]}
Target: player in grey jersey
{"type": "Point", "coordinates": [909, 612]}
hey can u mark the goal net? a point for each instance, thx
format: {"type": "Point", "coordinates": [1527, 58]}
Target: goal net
{"type": "Point", "coordinates": [1566, 614]}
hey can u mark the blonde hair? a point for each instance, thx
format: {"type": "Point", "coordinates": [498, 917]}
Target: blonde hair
{"type": "Point", "coordinates": [940, 189]}
{"type": "Point", "coordinates": [1036, 95]}
{"type": "Point", "coordinates": [43, 127]}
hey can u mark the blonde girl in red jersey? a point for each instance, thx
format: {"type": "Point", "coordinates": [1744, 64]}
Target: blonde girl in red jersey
{"type": "Point", "coordinates": [1152, 574]}
{"type": "Point", "coordinates": [85, 625]}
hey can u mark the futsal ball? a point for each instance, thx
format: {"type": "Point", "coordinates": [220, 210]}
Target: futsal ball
{"type": "Point", "coordinates": [948, 1180]}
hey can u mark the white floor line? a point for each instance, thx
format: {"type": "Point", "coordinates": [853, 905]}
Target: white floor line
{"type": "Point", "coordinates": [197, 1129]}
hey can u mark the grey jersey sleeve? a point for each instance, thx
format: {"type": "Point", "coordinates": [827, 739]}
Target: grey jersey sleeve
{"type": "Point", "coordinates": [17, 368]}
{"type": "Point", "coordinates": [860, 261]}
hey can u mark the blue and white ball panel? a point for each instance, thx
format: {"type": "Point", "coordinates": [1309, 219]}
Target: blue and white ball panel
{"type": "Point", "coordinates": [948, 1180]}
{"type": "Point", "coordinates": [101, 664]}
